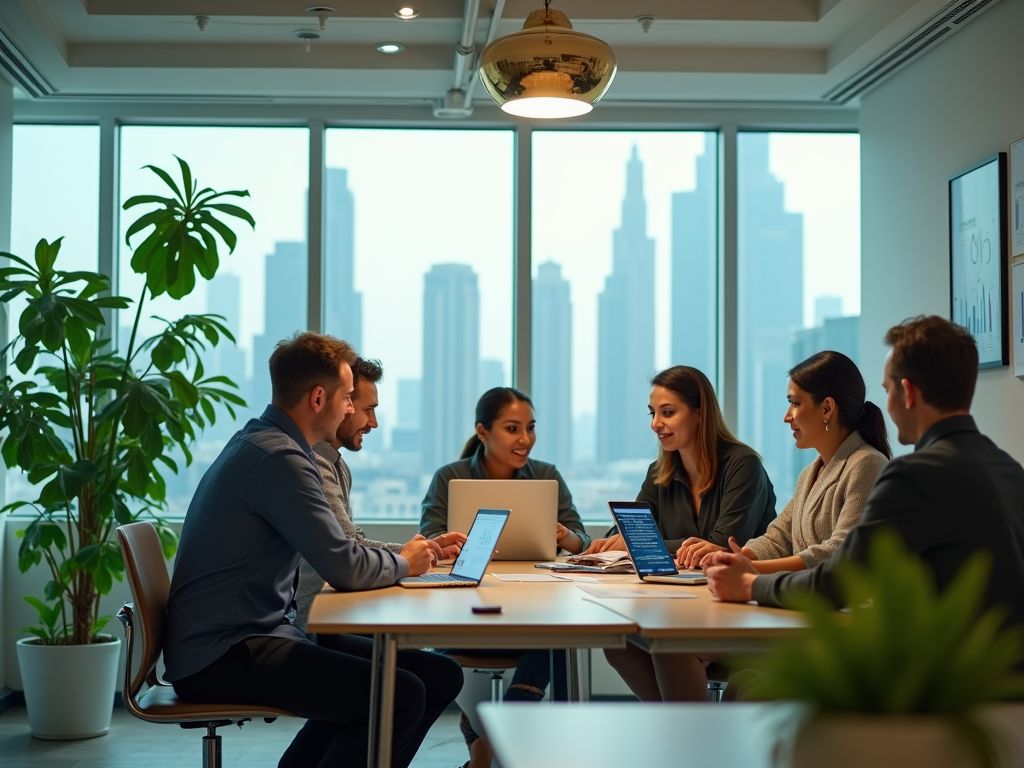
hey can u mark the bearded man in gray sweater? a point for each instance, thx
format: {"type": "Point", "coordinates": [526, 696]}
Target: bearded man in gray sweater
{"type": "Point", "coordinates": [337, 482]}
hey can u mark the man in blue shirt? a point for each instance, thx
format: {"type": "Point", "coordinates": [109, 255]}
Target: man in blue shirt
{"type": "Point", "coordinates": [230, 633]}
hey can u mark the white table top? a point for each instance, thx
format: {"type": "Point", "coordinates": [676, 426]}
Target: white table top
{"type": "Point", "coordinates": [630, 735]}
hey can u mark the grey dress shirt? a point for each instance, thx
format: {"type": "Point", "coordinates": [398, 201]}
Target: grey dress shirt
{"type": "Point", "coordinates": [259, 507]}
{"type": "Point", "coordinates": [434, 517]}
{"type": "Point", "coordinates": [740, 502]}
{"type": "Point", "coordinates": [957, 493]}
{"type": "Point", "coordinates": [337, 480]}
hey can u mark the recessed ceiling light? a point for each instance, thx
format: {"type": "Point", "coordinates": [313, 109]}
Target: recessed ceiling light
{"type": "Point", "coordinates": [406, 12]}
{"type": "Point", "coordinates": [390, 47]}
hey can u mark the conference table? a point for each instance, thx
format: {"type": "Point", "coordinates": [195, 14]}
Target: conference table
{"type": "Point", "coordinates": [537, 615]}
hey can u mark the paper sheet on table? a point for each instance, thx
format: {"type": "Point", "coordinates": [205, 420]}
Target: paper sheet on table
{"type": "Point", "coordinates": [525, 577]}
{"type": "Point", "coordinates": [609, 592]}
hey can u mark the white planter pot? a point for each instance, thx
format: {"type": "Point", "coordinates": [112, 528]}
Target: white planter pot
{"type": "Point", "coordinates": [69, 689]}
{"type": "Point", "coordinates": [880, 741]}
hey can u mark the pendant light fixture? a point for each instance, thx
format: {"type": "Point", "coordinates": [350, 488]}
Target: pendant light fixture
{"type": "Point", "coordinates": [547, 69]}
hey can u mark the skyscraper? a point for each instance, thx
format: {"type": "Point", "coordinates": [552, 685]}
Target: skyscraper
{"type": "Point", "coordinates": [551, 388]}
{"type": "Point", "coordinates": [224, 297]}
{"type": "Point", "coordinates": [771, 303]}
{"type": "Point", "coordinates": [694, 268]}
{"type": "Point", "coordinates": [451, 362]}
{"type": "Point", "coordinates": [625, 331]}
{"type": "Point", "coordinates": [284, 312]}
{"type": "Point", "coordinates": [492, 374]}
{"type": "Point", "coordinates": [343, 305]}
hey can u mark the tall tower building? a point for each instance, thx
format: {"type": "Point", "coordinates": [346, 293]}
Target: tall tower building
{"type": "Point", "coordinates": [551, 388]}
{"type": "Point", "coordinates": [284, 312]}
{"type": "Point", "coordinates": [224, 297]}
{"type": "Point", "coordinates": [694, 269]}
{"type": "Point", "coordinates": [451, 362]}
{"type": "Point", "coordinates": [343, 305]}
{"type": "Point", "coordinates": [625, 331]}
{"type": "Point", "coordinates": [771, 303]}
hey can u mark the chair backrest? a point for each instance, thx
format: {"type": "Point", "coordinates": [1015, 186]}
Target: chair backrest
{"type": "Point", "coordinates": [147, 575]}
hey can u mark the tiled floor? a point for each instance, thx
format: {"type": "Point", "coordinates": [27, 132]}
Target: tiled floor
{"type": "Point", "coordinates": [132, 743]}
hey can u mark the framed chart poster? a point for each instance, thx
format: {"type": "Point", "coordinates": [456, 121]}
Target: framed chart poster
{"type": "Point", "coordinates": [1017, 198]}
{"type": "Point", "coordinates": [977, 257]}
{"type": "Point", "coordinates": [1017, 319]}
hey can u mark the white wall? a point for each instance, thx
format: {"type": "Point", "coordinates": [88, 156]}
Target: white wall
{"type": "Point", "coordinates": [6, 173]}
{"type": "Point", "coordinates": [958, 104]}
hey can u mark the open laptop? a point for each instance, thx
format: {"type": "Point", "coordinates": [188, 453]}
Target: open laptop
{"type": "Point", "coordinates": [530, 533]}
{"type": "Point", "coordinates": [646, 548]}
{"type": "Point", "coordinates": [475, 555]}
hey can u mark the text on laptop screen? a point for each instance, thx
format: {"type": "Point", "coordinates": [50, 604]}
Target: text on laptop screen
{"type": "Point", "coordinates": [643, 539]}
{"type": "Point", "coordinates": [480, 542]}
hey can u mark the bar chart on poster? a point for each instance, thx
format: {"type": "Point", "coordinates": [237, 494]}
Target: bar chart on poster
{"type": "Point", "coordinates": [976, 259]}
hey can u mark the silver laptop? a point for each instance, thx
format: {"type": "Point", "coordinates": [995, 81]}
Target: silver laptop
{"type": "Point", "coordinates": [646, 548]}
{"type": "Point", "coordinates": [530, 533]}
{"type": "Point", "coordinates": [473, 559]}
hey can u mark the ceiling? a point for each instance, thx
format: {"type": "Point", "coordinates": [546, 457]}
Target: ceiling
{"type": "Point", "coordinates": [696, 51]}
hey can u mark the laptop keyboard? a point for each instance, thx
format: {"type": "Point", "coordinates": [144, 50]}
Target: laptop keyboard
{"type": "Point", "coordinates": [443, 577]}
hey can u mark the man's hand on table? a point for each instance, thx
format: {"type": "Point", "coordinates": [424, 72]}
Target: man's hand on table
{"type": "Point", "coordinates": [730, 574]}
{"type": "Point", "coordinates": [604, 545]}
{"type": "Point", "coordinates": [421, 553]}
{"type": "Point", "coordinates": [450, 543]}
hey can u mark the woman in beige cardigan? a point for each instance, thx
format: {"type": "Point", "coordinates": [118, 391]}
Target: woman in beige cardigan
{"type": "Point", "coordinates": [827, 411]}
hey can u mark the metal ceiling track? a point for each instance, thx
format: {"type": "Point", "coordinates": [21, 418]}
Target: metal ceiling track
{"type": "Point", "coordinates": [947, 21]}
{"type": "Point", "coordinates": [23, 73]}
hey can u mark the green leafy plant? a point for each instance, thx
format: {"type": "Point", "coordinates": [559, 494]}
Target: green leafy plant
{"type": "Point", "coordinates": [903, 648]}
{"type": "Point", "coordinates": [94, 426]}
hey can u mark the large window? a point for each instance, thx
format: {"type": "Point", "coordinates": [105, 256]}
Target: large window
{"type": "Point", "coordinates": [418, 270]}
{"type": "Point", "coordinates": [799, 276]}
{"type": "Point", "coordinates": [56, 194]}
{"type": "Point", "coordinates": [624, 284]}
{"type": "Point", "coordinates": [260, 289]}
{"type": "Point", "coordinates": [418, 273]}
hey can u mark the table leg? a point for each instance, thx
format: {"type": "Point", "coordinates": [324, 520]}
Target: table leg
{"type": "Point", "coordinates": [371, 750]}
{"type": "Point", "coordinates": [387, 702]}
{"type": "Point", "coordinates": [572, 672]}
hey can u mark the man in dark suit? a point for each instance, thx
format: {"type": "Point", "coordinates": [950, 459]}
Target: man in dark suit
{"type": "Point", "coordinates": [957, 493]}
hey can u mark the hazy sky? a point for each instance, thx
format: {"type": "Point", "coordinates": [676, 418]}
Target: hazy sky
{"type": "Point", "coordinates": [424, 197]}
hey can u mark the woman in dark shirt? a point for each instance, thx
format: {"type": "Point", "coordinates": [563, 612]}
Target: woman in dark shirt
{"type": "Point", "coordinates": [704, 487]}
{"type": "Point", "coordinates": [500, 450]}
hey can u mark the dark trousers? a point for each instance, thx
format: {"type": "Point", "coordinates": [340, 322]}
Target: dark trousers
{"type": "Point", "coordinates": [329, 685]}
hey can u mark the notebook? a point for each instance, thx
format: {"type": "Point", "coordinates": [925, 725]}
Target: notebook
{"type": "Point", "coordinates": [646, 548]}
{"type": "Point", "coordinates": [530, 533]}
{"type": "Point", "coordinates": [475, 555]}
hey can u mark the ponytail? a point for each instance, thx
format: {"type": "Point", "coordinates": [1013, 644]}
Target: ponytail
{"type": "Point", "coordinates": [871, 427]}
{"type": "Point", "coordinates": [470, 447]}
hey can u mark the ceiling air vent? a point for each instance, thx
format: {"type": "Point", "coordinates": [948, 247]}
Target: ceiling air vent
{"type": "Point", "coordinates": [24, 76]}
{"type": "Point", "coordinates": [945, 22]}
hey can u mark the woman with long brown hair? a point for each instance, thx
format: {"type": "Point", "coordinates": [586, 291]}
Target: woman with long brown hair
{"type": "Point", "coordinates": [705, 487]}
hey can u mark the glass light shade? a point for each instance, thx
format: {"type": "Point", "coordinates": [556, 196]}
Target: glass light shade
{"type": "Point", "coordinates": [547, 69]}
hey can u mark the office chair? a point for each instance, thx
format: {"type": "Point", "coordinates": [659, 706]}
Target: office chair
{"type": "Point", "coordinates": [495, 665]}
{"type": "Point", "coordinates": [718, 681]}
{"type": "Point", "coordinates": [150, 585]}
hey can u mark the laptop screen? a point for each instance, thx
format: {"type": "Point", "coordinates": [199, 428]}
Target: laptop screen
{"type": "Point", "coordinates": [643, 539]}
{"type": "Point", "coordinates": [480, 543]}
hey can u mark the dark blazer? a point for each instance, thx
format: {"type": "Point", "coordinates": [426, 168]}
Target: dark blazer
{"type": "Point", "coordinates": [956, 494]}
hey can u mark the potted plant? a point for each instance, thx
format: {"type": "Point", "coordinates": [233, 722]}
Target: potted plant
{"type": "Point", "coordinates": [900, 678]}
{"type": "Point", "coordinates": [95, 427]}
